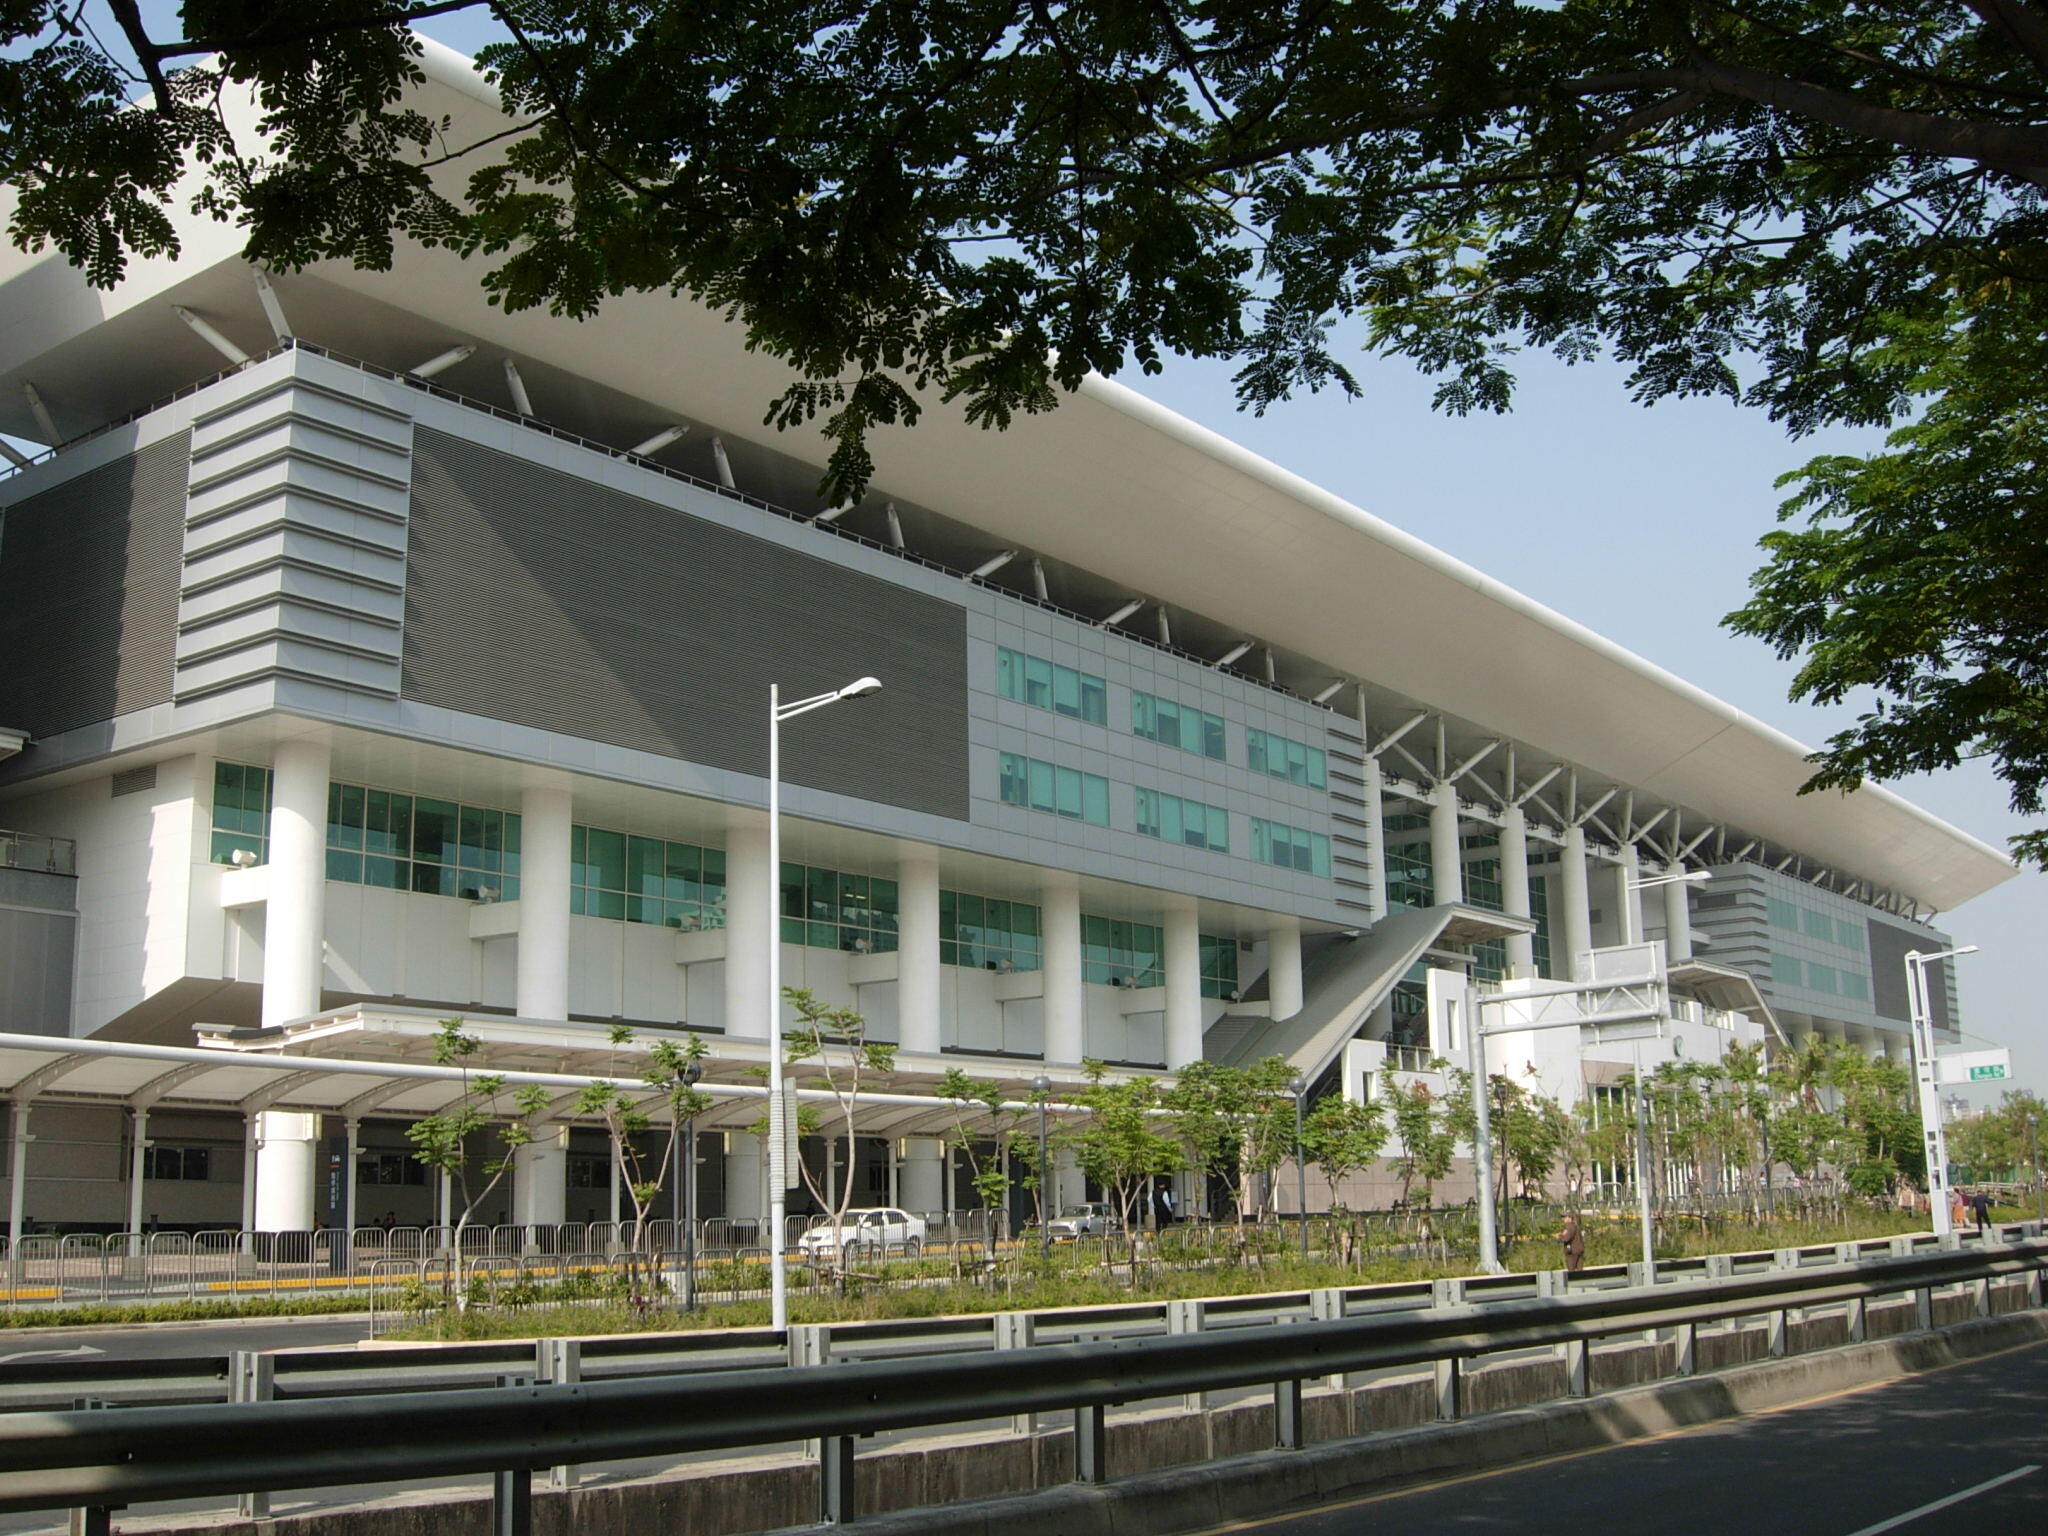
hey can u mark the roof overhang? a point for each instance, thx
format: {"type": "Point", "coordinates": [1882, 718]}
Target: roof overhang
{"type": "Point", "coordinates": [356, 1062]}
{"type": "Point", "coordinates": [1111, 483]}
{"type": "Point", "coordinates": [1726, 988]}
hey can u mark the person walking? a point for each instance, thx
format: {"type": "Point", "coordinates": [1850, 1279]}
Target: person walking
{"type": "Point", "coordinates": [1958, 1213]}
{"type": "Point", "coordinates": [1980, 1203]}
{"type": "Point", "coordinates": [1572, 1237]}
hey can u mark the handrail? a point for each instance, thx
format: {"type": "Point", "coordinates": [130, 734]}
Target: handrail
{"type": "Point", "coordinates": [102, 1457]}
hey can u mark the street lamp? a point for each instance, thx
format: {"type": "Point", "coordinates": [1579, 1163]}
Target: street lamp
{"type": "Point", "coordinates": [1041, 1085]}
{"type": "Point", "coordinates": [690, 1073]}
{"type": "Point", "coordinates": [2034, 1157]}
{"type": "Point", "coordinates": [1628, 936]}
{"type": "Point", "coordinates": [1935, 1139]}
{"type": "Point", "coordinates": [778, 1129]}
{"type": "Point", "coordinates": [1299, 1088]}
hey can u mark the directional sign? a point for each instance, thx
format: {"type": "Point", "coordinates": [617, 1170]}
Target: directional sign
{"type": "Point", "coordinates": [1974, 1066]}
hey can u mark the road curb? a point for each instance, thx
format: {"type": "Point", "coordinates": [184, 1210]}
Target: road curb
{"type": "Point", "coordinates": [1194, 1498]}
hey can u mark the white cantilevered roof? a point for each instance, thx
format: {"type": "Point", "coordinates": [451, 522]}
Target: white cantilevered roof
{"type": "Point", "coordinates": [1117, 485]}
{"type": "Point", "coordinates": [363, 1062]}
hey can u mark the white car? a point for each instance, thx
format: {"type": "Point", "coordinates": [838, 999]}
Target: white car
{"type": "Point", "coordinates": [874, 1231]}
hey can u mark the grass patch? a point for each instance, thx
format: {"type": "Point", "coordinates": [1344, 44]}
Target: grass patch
{"type": "Point", "coordinates": [101, 1314]}
{"type": "Point", "coordinates": [600, 1307]}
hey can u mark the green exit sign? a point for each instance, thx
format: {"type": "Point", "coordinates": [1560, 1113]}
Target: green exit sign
{"type": "Point", "coordinates": [1981, 1074]}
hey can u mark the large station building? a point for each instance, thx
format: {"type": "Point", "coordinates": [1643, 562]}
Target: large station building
{"type": "Point", "coordinates": [374, 656]}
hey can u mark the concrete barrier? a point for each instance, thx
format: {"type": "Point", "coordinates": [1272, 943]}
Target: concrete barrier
{"type": "Point", "coordinates": [1177, 1470]}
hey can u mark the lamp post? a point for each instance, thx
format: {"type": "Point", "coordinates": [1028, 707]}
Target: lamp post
{"type": "Point", "coordinates": [1934, 1138]}
{"type": "Point", "coordinates": [691, 1072]}
{"type": "Point", "coordinates": [1628, 936]}
{"type": "Point", "coordinates": [1299, 1088]}
{"type": "Point", "coordinates": [1041, 1085]}
{"type": "Point", "coordinates": [778, 1129]}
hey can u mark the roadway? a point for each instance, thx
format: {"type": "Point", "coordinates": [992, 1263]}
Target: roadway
{"type": "Point", "coordinates": [158, 1341]}
{"type": "Point", "coordinates": [1957, 1452]}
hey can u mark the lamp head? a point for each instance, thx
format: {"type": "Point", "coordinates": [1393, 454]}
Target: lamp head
{"type": "Point", "coordinates": [860, 688]}
{"type": "Point", "coordinates": [1041, 1084]}
{"type": "Point", "coordinates": [690, 1073]}
{"type": "Point", "coordinates": [1297, 1085]}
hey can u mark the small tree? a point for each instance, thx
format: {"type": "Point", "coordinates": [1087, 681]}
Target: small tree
{"type": "Point", "coordinates": [836, 1040]}
{"type": "Point", "coordinates": [1341, 1137]}
{"type": "Point", "coordinates": [1428, 1144]}
{"type": "Point", "coordinates": [442, 1139]}
{"type": "Point", "coordinates": [985, 1149]}
{"type": "Point", "coordinates": [627, 1117]}
{"type": "Point", "coordinates": [1120, 1144]}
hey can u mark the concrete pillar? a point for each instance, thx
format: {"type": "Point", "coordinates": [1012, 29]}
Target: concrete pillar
{"type": "Point", "coordinates": [138, 1159]}
{"type": "Point", "coordinates": [1576, 916]}
{"type": "Point", "coordinates": [1375, 838]}
{"type": "Point", "coordinates": [1446, 856]}
{"type": "Point", "coordinates": [921, 1175]}
{"type": "Point", "coordinates": [1283, 967]}
{"type": "Point", "coordinates": [1628, 897]}
{"type": "Point", "coordinates": [917, 950]}
{"type": "Point", "coordinates": [746, 1185]}
{"type": "Point", "coordinates": [750, 886]}
{"type": "Point", "coordinates": [1066, 1013]}
{"type": "Point", "coordinates": [18, 1140]}
{"type": "Point", "coordinates": [540, 1177]}
{"type": "Point", "coordinates": [543, 978]}
{"type": "Point", "coordinates": [1514, 888]}
{"type": "Point", "coordinates": [1677, 918]}
{"type": "Point", "coordinates": [895, 1174]}
{"type": "Point", "coordinates": [251, 1139]}
{"type": "Point", "coordinates": [1183, 944]}
{"type": "Point", "coordinates": [293, 960]}
{"type": "Point", "coordinates": [1069, 1184]}
{"type": "Point", "coordinates": [350, 1175]}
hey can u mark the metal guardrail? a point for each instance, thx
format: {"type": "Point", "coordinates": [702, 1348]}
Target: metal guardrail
{"type": "Point", "coordinates": [305, 1373]}
{"type": "Point", "coordinates": [99, 1458]}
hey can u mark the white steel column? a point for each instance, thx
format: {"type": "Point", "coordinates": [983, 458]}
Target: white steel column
{"type": "Point", "coordinates": [1514, 888]}
{"type": "Point", "coordinates": [1283, 967]}
{"type": "Point", "coordinates": [1066, 1014]}
{"type": "Point", "coordinates": [540, 1177]}
{"type": "Point", "coordinates": [1446, 856]}
{"type": "Point", "coordinates": [748, 882]}
{"type": "Point", "coordinates": [294, 931]}
{"type": "Point", "coordinates": [1183, 959]}
{"type": "Point", "coordinates": [138, 1158]}
{"type": "Point", "coordinates": [1577, 914]}
{"type": "Point", "coordinates": [1677, 918]}
{"type": "Point", "coordinates": [18, 1140]}
{"type": "Point", "coordinates": [917, 951]}
{"type": "Point", "coordinates": [543, 977]}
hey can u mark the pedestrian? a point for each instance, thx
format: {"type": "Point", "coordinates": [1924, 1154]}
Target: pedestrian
{"type": "Point", "coordinates": [1572, 1237]}
{"type": "Point", "coordinates": [1981, 1204]}
{"type": "Point", "coordinates": [1958, 1213]}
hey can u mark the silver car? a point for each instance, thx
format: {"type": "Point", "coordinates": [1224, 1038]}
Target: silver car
{"type": "Point", "coordinates": [1092, 1219]}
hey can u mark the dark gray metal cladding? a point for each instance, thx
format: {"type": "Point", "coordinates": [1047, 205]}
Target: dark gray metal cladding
{"type": "Point", "coordinates": [547, 600]}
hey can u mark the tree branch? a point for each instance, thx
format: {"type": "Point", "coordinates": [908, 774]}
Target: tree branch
{"type": "Point", "coordinates": [2020, 24]}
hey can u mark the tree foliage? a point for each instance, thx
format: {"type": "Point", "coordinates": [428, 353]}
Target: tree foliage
{"type": "Point", "coordinates": [639, 1165]}
{"type": "Point", "coordinates": [1832, 213]}
{"type": "Point", "coordinates": [446, 1140]}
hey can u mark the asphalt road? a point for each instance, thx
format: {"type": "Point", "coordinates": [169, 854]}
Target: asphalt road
{"type": "Point", "coordinates": [156, 1341]}
{"type": "Point", "coordinates": [1957, 1452]}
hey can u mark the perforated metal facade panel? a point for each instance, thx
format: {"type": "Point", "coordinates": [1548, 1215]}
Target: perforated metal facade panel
{"type": "Point", "coordinates": [543, 599]}
{"type": "Point", "coordinates": [90, 569]}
